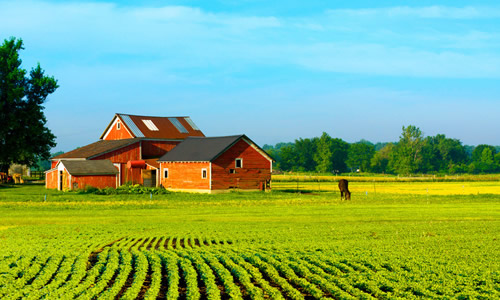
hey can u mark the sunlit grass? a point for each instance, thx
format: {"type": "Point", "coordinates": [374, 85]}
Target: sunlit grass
{"type": "Point", "coordinates": [402, 188]}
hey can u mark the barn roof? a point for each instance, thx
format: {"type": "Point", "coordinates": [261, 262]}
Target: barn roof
{"type": "Point", "coordinates": [205, 148]}
{"type": "Point", "coordinates": [97, 148]}
{"type": "Point", "coordinates": [90, 167]}
{"type": "Point", "coordinates": [157, 127]}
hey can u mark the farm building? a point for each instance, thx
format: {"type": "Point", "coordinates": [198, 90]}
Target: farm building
{"type": "Point", "coordinates": [167, 151]}
{"type": "Point", "coordinates": [132, 144]}
{"type": "Point", "coordinates": [72, 174]}
{"type": "Point", "coordinates": [215, 164]}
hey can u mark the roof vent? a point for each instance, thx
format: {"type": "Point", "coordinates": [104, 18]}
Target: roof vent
{"type": "Point", "coordinates": [151, 126]}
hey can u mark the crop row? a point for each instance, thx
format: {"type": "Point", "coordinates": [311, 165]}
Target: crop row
{"type": "Point", "coordinates": [124, 271]}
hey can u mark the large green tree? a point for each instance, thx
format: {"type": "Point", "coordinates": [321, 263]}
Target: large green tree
{"type": "Point", "coordinates": [331, 154]}
{"type": "Point", "coordinates": [360, 155]}
{"type": "Point", "coordinates": [380, 160]}
{"type": "Point", "coordinates": [407, 156]}
{"type": "Point", "coordinates": [24, 137]}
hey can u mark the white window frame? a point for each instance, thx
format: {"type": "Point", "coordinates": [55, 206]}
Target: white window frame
{"type": "Point", "coordinates": [118, 126]}
{"type": "Point", "coordinates": [206, 173]}
{"type": "Point", "coordinates": [236, 163]}
{"type": "Point", "coordinates": [165, 172]}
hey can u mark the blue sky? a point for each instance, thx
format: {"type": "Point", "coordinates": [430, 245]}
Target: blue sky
{"type": "Point", "coordinates": [274, 70]}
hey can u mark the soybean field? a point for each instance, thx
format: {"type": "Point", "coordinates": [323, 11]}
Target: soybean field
{"type": "Point", "coordinates": [383, 244]}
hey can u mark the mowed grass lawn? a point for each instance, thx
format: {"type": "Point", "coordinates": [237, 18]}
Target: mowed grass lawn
{"type": "Point", "coordinates": [412, 239]}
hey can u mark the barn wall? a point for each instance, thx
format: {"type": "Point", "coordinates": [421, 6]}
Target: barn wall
{"type": "Point", "coordinates": [123, 155]}
{"type": "Point", "coordinates": [53, 164]}
{"type": "Point", "coordinates": [117, 134]}
{"type": "Point", "coordinates": [51, 179]}
{"type": "Point", "coordinates": [157, 148]}
{"type": "Point", "coordinates": [97, 181]}
{"type": "Point", "coordinates": [255, 172]}
{"type": "Point", "coordinates": [185, 175]}
{"type": "Point", "coordinates": [132, 176]}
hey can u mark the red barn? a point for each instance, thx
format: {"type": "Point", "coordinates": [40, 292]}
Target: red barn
{"type": "Point", "coordinates": [214, 164]}
{"type": "Point", "coordinates": [77, 174]}
{"type": "Point", "coordinates": [128, 142]}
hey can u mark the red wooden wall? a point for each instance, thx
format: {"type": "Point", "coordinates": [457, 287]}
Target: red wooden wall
{"type": "Point", "coordinates": [118, 134]}
{"type": "Point", "coordinates": [123, 155]}
{"type": "Point", "coordinates": [255, 172]}
{"type": "Point", "coordinates": [157, 148]}
{"type": "Point", "coordinates": [51, 179]}
{"type": "Point", "coordinates": [98, 181]}
{"type": "Point", "coordinates": [185, 175]}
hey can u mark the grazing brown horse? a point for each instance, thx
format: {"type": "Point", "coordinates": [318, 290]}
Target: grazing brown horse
{"type": "Point", "coordinates": [344, 190]}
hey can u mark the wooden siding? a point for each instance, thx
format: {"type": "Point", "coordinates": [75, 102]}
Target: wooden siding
{"type": "Point", "coordinates": [185, 175]}
{"type": "Point", "coordinates": [123, 155]}
{"type": "Point", "coordinates": [118, 134]}
{"type": "Point", "coordinates": [51, 179]}
{"type": "Point", "coordinates": [97, 181]}
{"type": "Point", "coordinates": [157, 148]}
{"type": "Point", "coordinates": [253, 176]}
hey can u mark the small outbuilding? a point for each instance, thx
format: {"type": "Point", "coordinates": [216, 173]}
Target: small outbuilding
{"type": "Point", "coordinates": [78, 174]}
{"type": "Point", "coordinates": [216, 164]}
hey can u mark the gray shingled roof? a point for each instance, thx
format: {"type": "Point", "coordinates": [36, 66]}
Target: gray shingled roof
{"type": "Point", "coordinates": [90, 167]}
{"type": "Point", "coordinates": [200, 148]}
{"type": "Point", "coordinates": [203, 148]}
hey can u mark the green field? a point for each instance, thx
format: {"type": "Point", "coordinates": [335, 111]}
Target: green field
{"type": "Point", "coordinates": [387, 242]}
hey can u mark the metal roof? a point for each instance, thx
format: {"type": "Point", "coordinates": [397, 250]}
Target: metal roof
{"type": "Point", "coordinates": [177, 128]}
{"type": "Point", "coordinates": [131, 125]}
{"type": "Point", "coordinates": [90, 167]}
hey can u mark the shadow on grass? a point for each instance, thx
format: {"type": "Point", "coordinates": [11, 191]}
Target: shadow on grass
{"type": "Point", "coordinates": [304, 192]}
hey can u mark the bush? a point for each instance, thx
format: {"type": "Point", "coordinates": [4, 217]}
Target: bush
{"type": "Point", "coordinates": [90, 189]}
{"type": "Point", "coordinates": [121, 190]}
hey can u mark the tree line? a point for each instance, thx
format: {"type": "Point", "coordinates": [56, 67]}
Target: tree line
{"type": "Point", "coordinates": [412, 154]}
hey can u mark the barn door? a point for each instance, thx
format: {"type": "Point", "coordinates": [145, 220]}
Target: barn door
{"type": "Point", "coordinates": [61, 180]}
{"type": "Point", "coordinates": [147, 178]}
{"type": "Point", "coordinates": [153, 178]}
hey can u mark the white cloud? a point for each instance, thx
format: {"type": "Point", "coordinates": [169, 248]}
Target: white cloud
{"type": "Point", "coordinates": [428, 12]}
{"type": "Point", "coordinates": [167, 39]}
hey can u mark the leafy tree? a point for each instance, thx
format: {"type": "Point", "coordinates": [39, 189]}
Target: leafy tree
{"type": "Point", "coordinates": [23, 136]}
{"type": "Point", "coordinates": [323, 155]}
{"type": "Point", "coordinates": [305, 149]}
{"type": "Point", "coordinates": [407, 155]}
{"type": "Point", "coordinates": [477, 153]}
{"type": "Point", "coordinates": [380, 160]}
{"type": "Point", "coordinates": [331, 154]}
{"type": "Point", "coordinates": [340, 150]}
{"type": "Point", "coordinates": [288, 158]}
{"type": "Point", "coordinates": [360, 155]}
{"type": "Point", "coordinates": [440, 153]}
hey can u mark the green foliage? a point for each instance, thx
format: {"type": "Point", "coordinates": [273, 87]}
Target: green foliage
{"type": "Point", "coordinates": [24, 138]}
{"type": "Point", "coordinates": [323, 155]}
{"type": "Point", "coordinates": [407, 157]}
{"type": "Point", "coordinates": [360, 155]}
{"type": "Point", "coordinates": [380, 160]}
{"type": "Point", "coordinates": [412, 154]}
{"type": "Point", "coordinates": [126, 189]}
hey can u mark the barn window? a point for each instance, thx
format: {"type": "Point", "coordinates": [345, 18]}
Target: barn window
{"type": "Point", "coordinates": [239, 163]}
{"type": "Point", "coordinates": [203, 173]}
{"type": "Point", "coordinates": [165, 173]}
{"type": "Point", "coordinates": [232, 171]}
{"type": "Point", "coordinates": [118, 126]}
